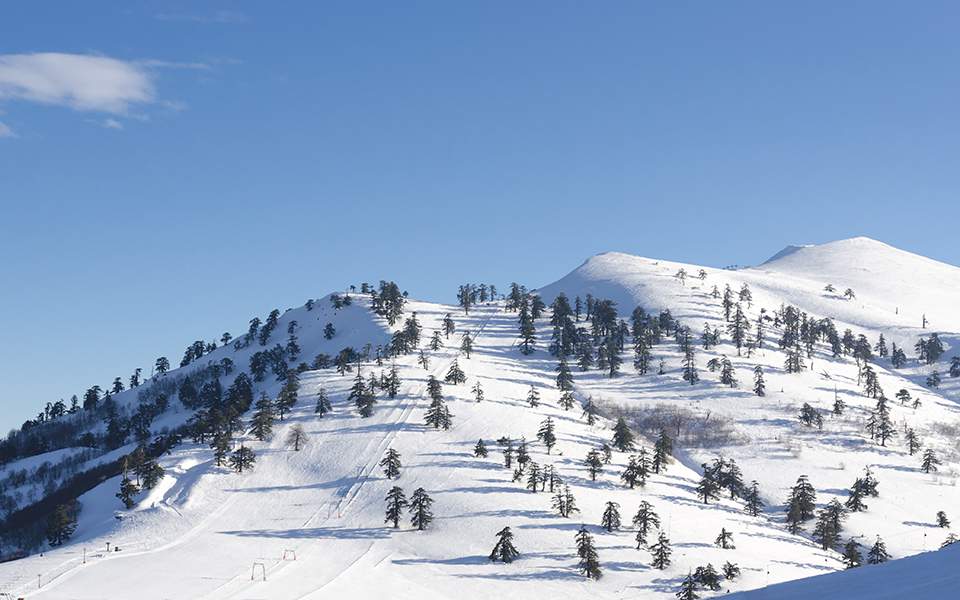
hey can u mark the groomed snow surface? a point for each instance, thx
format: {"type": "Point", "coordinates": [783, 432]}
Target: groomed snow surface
{"type": "Point", "coordinates": [311, 521]}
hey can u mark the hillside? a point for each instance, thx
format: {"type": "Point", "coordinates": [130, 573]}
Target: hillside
{"type": "Point", "coordinates": [310, 523]}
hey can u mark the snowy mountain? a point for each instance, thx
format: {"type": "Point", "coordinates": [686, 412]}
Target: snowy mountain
{"type": "Point", "coordinates": [309, 523]}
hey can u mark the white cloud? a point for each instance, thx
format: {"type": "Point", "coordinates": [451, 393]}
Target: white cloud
{"type": "Point", "coordinates": [112, 124]}
{"type": "Point", "coordinates": [6, 132]}
{"type": "Point", "coordinates": [79, 81]}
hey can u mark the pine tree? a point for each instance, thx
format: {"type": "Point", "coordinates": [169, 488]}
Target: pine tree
{"type": "Point", "coordinates": [391, 464]}
{"type": "Point", "coordinates": [448, 326]}
{"type": "Point", "coordinates": [480, 450]}
{"type": "Point", "coordinates": [589, 561]}
{"type": "Point", "coordinates": [759, 385]}
{"type": "Point", "coordinates": [527, 330]}
{"type": "Point", "coordinates": [455, 374]}
{"type": "Point", "coordinates": [942, 520]}
{"type": "Point", "coordinates": [645, 520]}
{"type": "Point", "coordinates": [533, 476]}
{"type": "Point", "coordinates": [564, 503]}
{"type": "Point", "coordinates": [567, 401]}
{"type": "Point", "coordinates": [661, 552]}
{"type": "Point", "coordinates": [829, 524]}
{"type": "Point", "coordinates": [707, 577]}
{"type": "Point", "coordinates": [688, 589]}
{"type": "Point", "coordinates": [708, 488]}
{"type": "Point", "coordinates": [242, 459]}
{"type": "Point", "coordinates": [61, 524]}
{"type": "Point", "coordinates": [396, 502]}
{"type": "Point", "coordinates": [752, 499]}
{"type": "Point", "coordinates": [504, 550]}
{"type": "Point", "coordinates": [261, 424]}
{"type": "Point", "coordinates": [466, 345]}
{"type": "Point", "coordinates": [594, 463]}
{"type": "Point", "coordinates": [477, 392]}
{"type": "Point", "coordinates": [435, 341]}
{"type": "Point", "coordinates": [662, 450]}
{"type": "Point", "coordinates": [297, 437]}
{"type": "Point", "coordinates": [128, 489]}
{"type": "Point", "coordinates": [929, 462]}
{"type": "Point", "coordinates": [801, 504]}
{"type": "Point", "coordinates": [610, 519]}
{"type": "Point", "coordinates": [438, 415]}
{"type": "Point", "coordinates": [878, 553]}
{"type": "Point", "coordinates": [731, 571]}
{"type": "Point", "coordinates": [547, 435]}
{"type": "Point", "coordinates": [623, 438]}
{"type": "Point", "coordinates": [590, 412]}
{"type": "Point", "coordinates": [323, 403]}
{"type": "Point", "coordinates": [533, 397]}
{"type": "Point", "coordinates": [564, 376]}
{"type": "Point", "coordinates": [724, 539]}
{"type": "Point", "coordinates": [392, 383]}
{"type": "Point", "coordinates": [851, 554]}
{"type": "Point", "coordinates": [420, 509]}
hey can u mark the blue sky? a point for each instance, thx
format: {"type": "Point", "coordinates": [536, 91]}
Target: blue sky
{"type": "Point", "coordinates": [168, 171]}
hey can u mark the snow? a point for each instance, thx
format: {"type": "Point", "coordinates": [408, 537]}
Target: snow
{"type": "Point", "coordinates": [200, 531]}
{"type": "Point", "coordinates": [929, 575]}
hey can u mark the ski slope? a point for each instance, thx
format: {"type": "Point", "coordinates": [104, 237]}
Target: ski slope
{"type": "Point", "coordinates": [312, 521]}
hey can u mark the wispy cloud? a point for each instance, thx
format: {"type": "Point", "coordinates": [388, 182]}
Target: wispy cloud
{"type": "Point", "coordinates": [220, 17]}
{"type": "Point", "coordinates": [78, 81]}
{"type": "Point", "coordinates": [112, 124]}
{"type": "Point", "coordinates": [6, 132]}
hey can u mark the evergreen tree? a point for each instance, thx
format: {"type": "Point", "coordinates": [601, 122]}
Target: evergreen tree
{"type": "Point", "coordinates": [662, 450]}
{"type": "Point", "coordinates": [856, 495]}
{"type": "Point", "coordinates": [438, 415]}
{"type": "Point", "coordinates": [645, 520]}
{"type": "Point", "coordinates": [688, 589]}
{"type": "Point", "coordinates": [724, 539]}
{"type": "Point", "coordinates": [727, 375]}
{"type": "Point", "coordinates": [829, 524]}
{"type": "Point", "coordinates": [567, 401]}
{"type": "Point", "coordinates": [546, 434]}
{"type": "Point", "coordinates": [504, 550]}
{"type": "Point", "coordinates": [261, 424]}
{"type": "Point", "coordinates": [477, 391]}
{"type": "Point", "coordinates": [466, 345]}
{"type": "Point", "coordinates": [759, 385]}
{"type": "Point", "coordinates": [930, 461]}
{"type": "Point", "coordinates": [128, 489]}
{"type": "Point", "coordinates": [448, 326]}
{"type": "Point", "coordinates": [533, 397]}
{"type": "Point", "coordinates": [564, 376]}
{"type": "Point", "coordinates": [527, 331]}
{"type": "Point", "coordinates": [661, 552]}
{"type": "Point", "coordinates": [242, 459]}
{"type": "Point", "coordinates": [942, 520]}
{"type": "Point", "coordinates": [420, 509]}
{"type": "Point", "coordinates": [707, 577]}
{"type": "Point", "coordinates": [455, 374]}
{"type": "Point", "coordinates": [480, 450]}
{"type": "Point", "coordinates": [61, 524]}
{"type": "Point", "coordinates": [594, 463]}
{"type": "Point", "coordinates": [731, 571]}
{"type": "Point", "coordinates": [878, 553]}
{"type": "Point", "coordinates": [708, 488]}
{"type": "Point", "coordinates": [533, 476]}
{"type": "Point", "coordinates": [623, 438]}
{"type": "Point", "coordinates": [396, 502]}
{"type": "Point", "coordinates": [564, 502]}
{"type": "Point", "coordinates": [391, 464]}
{"type": "Point", "coordinates": [851, 554]}
{"type": "Point", "coordinates": [801, 504]}
{"type": "Point", "coordinates": [323, 403]}
{"type": "Point", "coordinates": [610, 519]}
{"type": "Point", "coordinates": [590, 412]}
{"type": "Point", "coordinates": [423, 360]}
{"type": "Point", "coordinates": [589, 561]}
{"type": "Point", "coordinates": [436, 342]}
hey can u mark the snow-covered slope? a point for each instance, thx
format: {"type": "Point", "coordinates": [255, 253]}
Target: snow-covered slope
{"type": "Point", "coordinates": [931, 575]}
{"type": "Point", "coordinates": [311, 521]}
